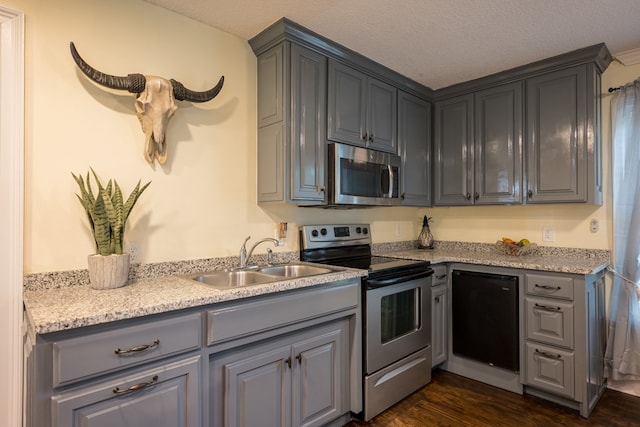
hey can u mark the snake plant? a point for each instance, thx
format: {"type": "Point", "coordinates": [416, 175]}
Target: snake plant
{"type": "Point", "coordinates": [107, 212]}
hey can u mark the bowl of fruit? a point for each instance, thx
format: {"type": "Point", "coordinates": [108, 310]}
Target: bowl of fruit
{"type": "Point", "coordinates": [516, 247]}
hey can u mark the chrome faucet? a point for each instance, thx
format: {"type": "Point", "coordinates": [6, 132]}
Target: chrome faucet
{"type": "Point", "coordinates": [245, 257]}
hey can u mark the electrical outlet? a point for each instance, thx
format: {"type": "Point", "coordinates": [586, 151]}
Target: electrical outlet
{"type": "Point", "coordinates": [133, 249]}
{"type": "Point", "coordinates": [594, 225]}
{"type": "Point", "coordinates": [548, 234]}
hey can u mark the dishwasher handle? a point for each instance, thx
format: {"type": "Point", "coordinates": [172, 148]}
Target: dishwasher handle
{"type": "Point", "coordinates": [388, 281]}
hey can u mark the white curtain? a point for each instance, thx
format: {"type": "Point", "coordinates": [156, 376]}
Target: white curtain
{"type": "Point", "coordinates": [623, 344]}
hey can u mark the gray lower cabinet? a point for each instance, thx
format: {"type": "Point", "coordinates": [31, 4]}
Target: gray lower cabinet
{"type": "Point", "coordinates": [565, 338]}
{"type": "Point", "coordinates": [299, 380]}
{"type": "Point", "coordinates": [414, 144]}
{"type": "Point", "coordinates": [563, 136]}
{"type": "Point", "coordinates": [361, 109]}
{"type": "Point", "coordinates": [138, 372]}
{"type": "Point", "coordinates": [439, 315]}
{"type": "Point", "coordinates": [291, 124]}
{"type": "Point", "coordinates": [165, 396]}
{"type": "Point", "coordinates": [478, 140]}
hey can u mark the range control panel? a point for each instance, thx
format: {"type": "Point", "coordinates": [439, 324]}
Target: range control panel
{"type": "Point", "coordinates": [335, 235]}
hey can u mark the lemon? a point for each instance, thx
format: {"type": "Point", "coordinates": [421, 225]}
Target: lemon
{"type": "Point", "coordinates": [523, 242]}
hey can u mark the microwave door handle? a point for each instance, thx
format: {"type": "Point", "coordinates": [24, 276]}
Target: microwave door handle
{"type": "Point", "coordinates": [391, 178]}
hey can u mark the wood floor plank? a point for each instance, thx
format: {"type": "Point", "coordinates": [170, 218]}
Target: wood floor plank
{"type": "Point", "coordinates": [453, 400]}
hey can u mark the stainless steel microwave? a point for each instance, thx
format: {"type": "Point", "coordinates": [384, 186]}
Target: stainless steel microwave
{"type": "Point", "coordinates": [362, 177]}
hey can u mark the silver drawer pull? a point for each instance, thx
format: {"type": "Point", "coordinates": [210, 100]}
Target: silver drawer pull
{"type": "Point", "coordinates": [547, 308]}
{"type": "Point", "coordinates": [136, 387]}
{"type": "Point", "coordinates": [441, 277]}
{"type": "Point", "coordinates": [548, 355]}
{"type": "Point", "coordinates": [547, 287]}
{"type": "Point", "coordinates": [137, 349]}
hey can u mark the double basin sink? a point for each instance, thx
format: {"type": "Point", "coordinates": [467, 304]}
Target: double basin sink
{"type": "Point", "coordinates": [226, 279]}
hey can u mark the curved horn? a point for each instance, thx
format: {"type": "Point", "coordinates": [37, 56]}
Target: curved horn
{"type": "Point", "coordinates": [181, 93]}
{"type": "Point", "coordinates": [134, 83]}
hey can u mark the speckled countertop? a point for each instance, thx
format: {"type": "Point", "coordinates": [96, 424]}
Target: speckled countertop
{"type": "Point", "coordinates": [557, 260]}
{"type": "Point", "coordinates": [57, 309]}
{"type": "Point", "coordinates": [60, 301]}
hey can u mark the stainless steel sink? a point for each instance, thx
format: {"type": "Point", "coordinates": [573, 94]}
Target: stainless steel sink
{"type": "Point", "coordinates": [294, 270]}
{"type": "Point", "coordinates": [226, 279]}
{"type": "Point", "coordinates": [231, 279]}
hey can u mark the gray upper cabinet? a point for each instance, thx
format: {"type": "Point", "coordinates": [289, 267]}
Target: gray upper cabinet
{"type": "Point", "coordinates": [362, 110]}
{"type": "Point", "coordinates": [414, 146]}
{"type": "Point", "coordinates": [498, 145]}
{"type": "Point", "coordinates": [291, 117]}
{"type": "Point", "coordinates": [563, 139]}
{"type": "Point", "coordinates": [453, 151]}
{"type": "Point", "coordinates": [478, 147]}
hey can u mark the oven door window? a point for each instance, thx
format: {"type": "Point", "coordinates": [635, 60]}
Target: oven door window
{"type": "Point", "coordinates": [399, 314]}
{"type": "Point", "coordinates": [366, 179]}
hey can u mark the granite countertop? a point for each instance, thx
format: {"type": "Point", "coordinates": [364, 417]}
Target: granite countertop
{"type": "Point", "coordinates": [557, 260]}
{"type": "Point", "coordinates": [61, 301]}
{"type": "Point", "coordinates": [68, 307]}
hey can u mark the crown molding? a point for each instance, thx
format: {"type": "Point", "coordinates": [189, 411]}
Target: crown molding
{"type": "Point", "coordinates": [628, 57]}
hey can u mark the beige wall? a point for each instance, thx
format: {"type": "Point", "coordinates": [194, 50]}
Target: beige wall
{"type": "Point", "coordinates": [202, 202]}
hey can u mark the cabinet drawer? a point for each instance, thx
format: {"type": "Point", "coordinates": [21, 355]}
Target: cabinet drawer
{"type": "Point", "coordinates": [549, 321]}
{"type": "Point", "coordinates": [550, 286]}
{"type": "Point", "coordinates": [248, 318]}
{"type": "Point", "coordinates": [550, 369]}
{"type": "Point", "coordinates": [164, 396]}
{"type": "Point", "coordinates": [439, 274]}
{"type": "Point", "coordinates": [102, 352]}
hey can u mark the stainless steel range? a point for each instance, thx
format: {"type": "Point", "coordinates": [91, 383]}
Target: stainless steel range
{"type": "Point", "coordinates": [396, 311]}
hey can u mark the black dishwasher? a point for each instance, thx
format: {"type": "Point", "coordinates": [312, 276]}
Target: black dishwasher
{"type": "Point", "coordinates": [485, 318]}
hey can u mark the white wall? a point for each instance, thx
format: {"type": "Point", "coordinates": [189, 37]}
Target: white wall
{"type": "Point", "coordinates": [202, 203]}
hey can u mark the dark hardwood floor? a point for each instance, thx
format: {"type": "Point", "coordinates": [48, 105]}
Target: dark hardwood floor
{"type": "Point", "coordinates": [452, 400]}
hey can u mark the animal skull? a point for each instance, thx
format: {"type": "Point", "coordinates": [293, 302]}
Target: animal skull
{"type": "Point", "coordinates": [155, 102]}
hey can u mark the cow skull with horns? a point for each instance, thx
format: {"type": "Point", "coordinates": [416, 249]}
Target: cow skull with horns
{"type": "Point", "coordinates": [155, 102]}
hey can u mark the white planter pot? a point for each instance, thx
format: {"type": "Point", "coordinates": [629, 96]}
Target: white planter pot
{"type": "Point", "coordinates": [108, 272]}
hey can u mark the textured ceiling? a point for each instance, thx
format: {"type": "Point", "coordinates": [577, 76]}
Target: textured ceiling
{"type": "Point", "coordinates": [437, 42]}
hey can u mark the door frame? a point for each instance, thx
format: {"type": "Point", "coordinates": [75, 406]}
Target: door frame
{"type": "Point", "coordinates": [11, 212]}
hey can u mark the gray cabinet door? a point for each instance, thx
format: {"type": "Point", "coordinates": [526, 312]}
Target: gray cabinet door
{"type": "Point", "coordinates": [439, 312]}
{"type": "Point", "coordinates": [362, 111]}
{"type": "Point", "coordinates": [167, 396]}
{"type": "Point", "coordinates": [319, 383]}
{"type": "Point", "coordinates": [346, 119]}
{"type": "Point", "coordinates": [414, 144]}
{"type": "Point", "coordinates": [497, 145]}
{"type": "Point", "coordinates": [257, 389]}
{"type": "Point", "coordinates": [382, 116]}
{"type": "Point", "coordinates": [557, 136]}
{"type": "Point", "coordinates": [308, 117]}
{"type": "Point", "coordinates": [453, 143]}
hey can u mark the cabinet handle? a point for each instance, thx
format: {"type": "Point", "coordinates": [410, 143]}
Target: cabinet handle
{"type": "Point", "coordinates": [529, 193]}
{"type": "Point", "coordinates": [288, 361]}
{"type": "Point", "coordinates": [371, 138]}
{"type": "Point", "coordinates": [547, 308]}
{"type": "Point", "coordinates": [136, 387]}
{"type": "Point", "coordinates": [437, 299]}
{"type": "Point", "coordinates": [548, 355]}
{"type": "Point", "coordinates": [476, 196]}
{"type": "Point", "coordinates": [547, 287]}
{"type": "Point", "coordinates": [299, 358]}
{"type": "Point", "coordinates": [365, 137]}
{"type": "Point", "coordinates": [468, 196]}
{"type": "Point", "coordinates": [441, 277]}
{"type": "Point", "coordinates": [137, 349]}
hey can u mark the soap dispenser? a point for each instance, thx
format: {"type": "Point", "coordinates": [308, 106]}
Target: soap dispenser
{"type": "Point", "coordinates": [425, 239]}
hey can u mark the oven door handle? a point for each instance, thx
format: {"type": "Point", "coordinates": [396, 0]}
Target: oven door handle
{"type": "Point", "coordinates": [379, 283]}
